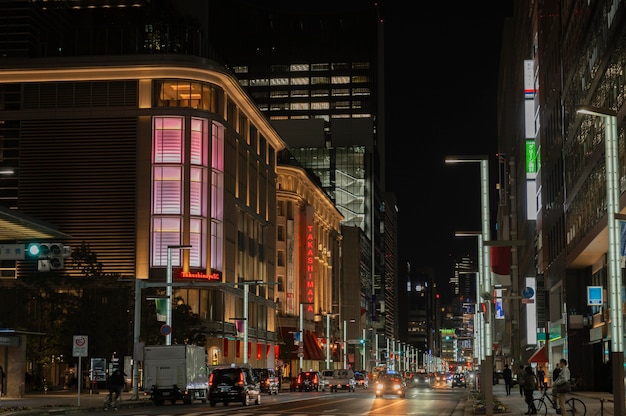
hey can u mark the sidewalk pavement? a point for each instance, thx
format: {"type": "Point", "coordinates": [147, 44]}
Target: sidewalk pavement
{"type": "Point", "coordinates": [69, 402]}
{"type": "Point", "coordinates": [59, 402]}
{"type": "Point", "coordinates": [597, 403]}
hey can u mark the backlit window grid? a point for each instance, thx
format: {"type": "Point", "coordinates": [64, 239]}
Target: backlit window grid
{"type": "Point", "coordinates": [199, 142]}
{"type": "Point", "coordinates": [197, 192]}
{"type": "Point", "coordinates": [166, 231]}
{"type": "Point", "coordinates": [217, 147]}
{"type": "Point", "coordinates": [216, 245]}
{"type": "Point", "coordinates": [168, 140]}
{"type": "Point", "coordinates": [197, 255]}
{"type": "Point", "coordinates": [167, 190]}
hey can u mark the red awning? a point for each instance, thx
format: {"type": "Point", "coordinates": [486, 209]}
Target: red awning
{"type": "Point", "coordinates": [539, 356]}
{"type": "Point", "coordinates": [310, 347]}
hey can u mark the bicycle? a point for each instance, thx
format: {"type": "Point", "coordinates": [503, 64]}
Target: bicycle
{"type": "Point", "coordinates": [573, 406]}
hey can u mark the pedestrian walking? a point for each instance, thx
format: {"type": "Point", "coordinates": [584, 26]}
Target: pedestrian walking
{"type": "Point", "coordinates": [530, 385]}
{"type": "Point", "coordinates": [555, 373]}
{"type": "Point", "coordinates": [521, 374]}
{"type": "Point", "coordinates": [507, 374]}
{"type": "Point", "coordinates": [541, 378]}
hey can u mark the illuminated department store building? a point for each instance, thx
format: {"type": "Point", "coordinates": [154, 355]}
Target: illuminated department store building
{"type": "Point", "coordinates": [159, 151]}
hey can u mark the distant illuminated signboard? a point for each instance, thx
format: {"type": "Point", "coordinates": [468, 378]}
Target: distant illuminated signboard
{"type": "Point", "coordinates": [594, 296]}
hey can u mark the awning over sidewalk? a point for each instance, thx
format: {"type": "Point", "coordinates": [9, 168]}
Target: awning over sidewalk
{"type": "Point", "coordinates": [539, 356]}
{"type": "Point", "coordinates": [310, 347]}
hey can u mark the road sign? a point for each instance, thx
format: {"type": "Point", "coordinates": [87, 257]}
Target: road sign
{"type": "Point", "coordinates": [12, 251]}
{"type": "Point", "coordinates": [166, 330]}
{"type": "Point", "coordinates": [80, 346]}
{"type": "Point", "coordinates": [528, 292]}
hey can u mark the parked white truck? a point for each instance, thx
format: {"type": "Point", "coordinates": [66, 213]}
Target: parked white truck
{"type": "Point", "coordinates": [175, 373]}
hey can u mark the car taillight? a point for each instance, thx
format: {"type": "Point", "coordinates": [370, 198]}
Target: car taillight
{"type": "Point", "coordinates": [211, 379]}
{"type": "Point", "coordinates": [315, 379]}
{"type": "Point", "coordinates": [240, 379]}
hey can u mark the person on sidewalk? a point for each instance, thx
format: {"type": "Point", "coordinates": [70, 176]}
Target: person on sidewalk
{"type": "Point", "coordinates": [507, 375]}
{"type": "Point", "coordinates": [541, 378]}
{"type": "Point", "coordinates": [520, 379]}
{"type": "Point", "coordinates": [561, 386]}
{"type": "Point", "coordinates": [530, 385]}
{"type": "Point", "coordinates": [116, 385]}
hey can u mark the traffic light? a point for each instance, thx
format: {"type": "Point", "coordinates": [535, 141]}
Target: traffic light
{"type": "Point", "coordinates": [50, 256]}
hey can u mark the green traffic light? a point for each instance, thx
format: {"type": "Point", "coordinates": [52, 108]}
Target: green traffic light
{"type": "Point", "coordinates": [34, 249]}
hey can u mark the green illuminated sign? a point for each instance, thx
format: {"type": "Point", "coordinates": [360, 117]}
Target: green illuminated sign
{"type": "Point", "coordinates": [531, 157]}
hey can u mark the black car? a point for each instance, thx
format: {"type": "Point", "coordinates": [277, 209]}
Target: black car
{"type": "Point", "coordinates": [306, 381]}
{"type": "Point", "coordinates": [458, 380]}
{"type": "Point", "coordinates": [233, 384]}
{"type": "Point", "coordinates": [268, 380]}
{"type": "Point", "coordinates": [390, 383]}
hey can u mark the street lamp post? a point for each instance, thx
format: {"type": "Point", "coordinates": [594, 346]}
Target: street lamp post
{"type": "Point", "coordinates": [478, 319]}
{"type": "Point", "coordinates": [345, 346]}
{"type": "Point", "coordinates": [487, 365]}
{"type": "Point", "coordinates": [614, 266]}
{"type": "Point", "coordinates": [168, 281]}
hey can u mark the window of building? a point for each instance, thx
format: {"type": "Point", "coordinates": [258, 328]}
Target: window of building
{"type": "Point", "coordinates": [360, 79]}
{"type": "Point", "coordinates": [300, 93]}
{"type": "Point", "coordinates": [320, 80]}
{"type": "Point", "coordinates": [360, 65]}
{"type": "Point", "coordinates": [169, 198]}
{"type": "Point", "coordinates": [280, 233]}
{"type": "Point", "coordinates": [299, 106]}
{"type": "Point", "coordinates": [280, 258]}
{"type": "Point", "coordinates": [217, 196]}
{"type": "Point", "coordinates": [277, 82]}
{"type": "Point", "coordinates": [340, 92]}
{"type": "Point", "coordinates": [361, 91]}
{"type": "Point", "coordinates": [299, 67]}
{"type": "Point", "coordinates": [343, 79]}
{"type": "Point", "coordinates": [279, 68]}
{"type": "Point", "coordinates": [243, 69]}
{"type": "Point", "coordinates": [320, 93]}
{"type": "Point", "coordinates": [320, 67]}
{"type": "Point", "coordinates": [279, 94]}
{"type": "Point", "coordinates": [320, 106]}
{"type": "Point", "coordinates": [340, 66]}
{"type": "Point", "coordinates": [259, 82]}
{"type": "Point", "coordinates": [299, 81]}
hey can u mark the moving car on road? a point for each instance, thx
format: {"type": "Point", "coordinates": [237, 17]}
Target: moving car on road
{"type": "Point", "coordinates": [306, 381]}
{"type": "Point", "coordinates": [268, 380]}
{"type": "Point", "coordinates": [361, 379]}
{"type": "Point", "coordinates": [233, 384]}
{"type": "Point", "coordinates": [458, 380]}
{"type": "Point", "coordinates": [390, 383]}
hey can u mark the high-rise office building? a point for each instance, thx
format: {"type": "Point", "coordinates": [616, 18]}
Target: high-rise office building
{"type": "Point", "coordinates": [317, 73]}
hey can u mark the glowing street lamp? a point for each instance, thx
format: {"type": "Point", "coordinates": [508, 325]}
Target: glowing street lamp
{"type": "Point", "coordinates": [487, 366]}
{"type": "Point", "coordinates": [478, 318]}
{"type": "Point", "coordinates": [614, 266]}
{"type": "Point", "coordinates": [168, 281]}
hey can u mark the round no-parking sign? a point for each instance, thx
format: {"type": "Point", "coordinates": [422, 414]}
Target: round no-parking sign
{"type": "Point", "coordinates": [80, 346]}
{"type": "Point", "coordinates": [166, 330]}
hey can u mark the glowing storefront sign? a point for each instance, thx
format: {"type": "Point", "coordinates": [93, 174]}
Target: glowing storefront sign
{"type": "Point", "coordinates": [309, 266]}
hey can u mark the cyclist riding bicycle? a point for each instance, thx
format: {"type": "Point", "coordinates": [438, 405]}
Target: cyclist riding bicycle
{"type": "Point", "coordinates": [116, 384]}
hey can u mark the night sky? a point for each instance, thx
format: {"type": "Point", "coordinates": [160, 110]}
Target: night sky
{"type": "Point", "coordinates": [441, 90]}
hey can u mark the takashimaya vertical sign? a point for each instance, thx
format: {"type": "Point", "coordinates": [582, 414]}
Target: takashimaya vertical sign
{"type": "Point", "coordinates": [308, 286]}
